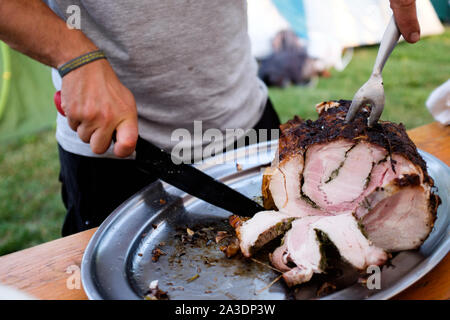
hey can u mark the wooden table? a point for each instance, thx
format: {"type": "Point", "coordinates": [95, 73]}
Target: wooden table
{"type": "Point", "coordinates": [42, 271]}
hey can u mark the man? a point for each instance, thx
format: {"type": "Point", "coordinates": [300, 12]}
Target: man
{"type": "Point", "coordinates": [168, 63]}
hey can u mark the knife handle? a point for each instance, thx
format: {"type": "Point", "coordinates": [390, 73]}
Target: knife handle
{"type": "Point", "coordinates": [57, 100]}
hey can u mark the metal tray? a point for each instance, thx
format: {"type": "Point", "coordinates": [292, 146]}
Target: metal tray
{"type": "Point", "coordinates": [117, 263]}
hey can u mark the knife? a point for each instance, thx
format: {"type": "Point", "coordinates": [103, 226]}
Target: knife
{"type": "Point", "coordinates": [155, 161]}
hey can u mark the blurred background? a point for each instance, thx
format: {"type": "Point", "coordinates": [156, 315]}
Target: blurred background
{"type": "Point", "coordinates": [308, 51]}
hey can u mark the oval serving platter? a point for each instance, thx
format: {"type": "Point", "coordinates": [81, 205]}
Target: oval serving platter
{"type": "Point", "coordinates": [147, 239]}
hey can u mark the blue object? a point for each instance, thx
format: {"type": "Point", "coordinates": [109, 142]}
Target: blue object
{"type": "Point", "coordinates": [294, 12]}
{"type": "Point", "coordinates": [442, 8]}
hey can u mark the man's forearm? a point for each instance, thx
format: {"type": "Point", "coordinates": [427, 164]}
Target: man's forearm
{"type": "Point", "coordinates": [94, 100]}
{"type": "Point", "coordinates": [31, 27]}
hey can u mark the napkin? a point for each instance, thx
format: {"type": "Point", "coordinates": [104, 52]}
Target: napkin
{"type": "Point", "coordinates": [438, 103]}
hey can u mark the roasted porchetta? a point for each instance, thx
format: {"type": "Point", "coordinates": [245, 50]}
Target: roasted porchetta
{"type": "Point", "coordinates": [364, 190]}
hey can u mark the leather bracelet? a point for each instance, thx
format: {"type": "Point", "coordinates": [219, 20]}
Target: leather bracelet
{"type": "Point", "coordinates": [80, 61]}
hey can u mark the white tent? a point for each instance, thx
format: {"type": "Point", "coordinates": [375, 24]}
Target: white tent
{"type": "Point", "coordinates": [328, 26]}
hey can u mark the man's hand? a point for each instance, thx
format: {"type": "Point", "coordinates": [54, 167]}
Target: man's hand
{"type": "Point", "coordinates": [94, 100]}
{"type": "Point", "coordinates": [97, 104]}
{"type": "Point", "coordinates": [406, 18]}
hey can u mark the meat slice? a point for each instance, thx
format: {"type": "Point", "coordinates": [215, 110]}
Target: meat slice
{"type": "Point", "coordinates": [262, 228]}
{"type": "Point", "coordinates": [399, 218]}
{"type": "Point", "coordinates": [302, 247]}
{"type": "Point", "coordinates": [346, 235]}
{"type": "Point", "coordinates": [323, 164]}
{"type": "Point", "coordinates": [283, 185]}
{"type": "Point", "coordinates": [337, 174]}
{"type": "Point", "coordinates": [278, 258]}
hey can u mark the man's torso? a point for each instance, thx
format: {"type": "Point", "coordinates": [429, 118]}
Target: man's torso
{"type": "Point", "coordinates": [184, 60]}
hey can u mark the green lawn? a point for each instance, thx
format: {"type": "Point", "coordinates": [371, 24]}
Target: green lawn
{"type": "Point", "coordinates": [410, 75]}
{"type": "Point", "coordinates": [31, 211]}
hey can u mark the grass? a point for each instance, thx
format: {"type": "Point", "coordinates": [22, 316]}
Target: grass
{"type": "Point", "coordinates": [410, 74]}
{"type": "Point", "coordinates": [31, 211]}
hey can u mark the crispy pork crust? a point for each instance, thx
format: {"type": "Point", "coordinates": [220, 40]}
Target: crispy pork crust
{"type": "Point", "coordinates": [297, 135]}
{"type": "Point", "coordinates": [433, 203]}
{"type": "Point", "coordinates": [407, 180]}
{"type": "Point", "coordinates": [268, 202]}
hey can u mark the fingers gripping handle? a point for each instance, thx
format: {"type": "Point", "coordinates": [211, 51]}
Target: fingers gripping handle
{"type": "Point", "coordinates": [155, 161]}
{"type": "Point", "coordinates": [57, 101]}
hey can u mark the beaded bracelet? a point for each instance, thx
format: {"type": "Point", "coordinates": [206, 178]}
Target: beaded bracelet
{"type": "Point", "coordinates": [80, 61]}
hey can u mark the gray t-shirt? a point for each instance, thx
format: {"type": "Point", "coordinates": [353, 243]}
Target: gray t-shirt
{"type": "Point", "coordinates": [183, 60]}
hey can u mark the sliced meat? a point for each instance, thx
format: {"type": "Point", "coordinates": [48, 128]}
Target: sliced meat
{"type": "Point", "coordinates": [262, 228]}
{"type": "Point", "coordinates": [337, 179]}
{"type": "Point", "coordinates": [350, 180]}
{"type": "Point", "coordinates": [329, 167]}
{"type": "Point", "coordinates": [337, 174]}
{"type": "Point", "coordinates": [303, 250]}
{"type": "Point", "coordinates": [343, 231]}
{"type": "Point", "coordinates": [323, 164]}
{"type": "Point", "coordinates": [278, 258]}
{"type": "Point", "coordinates": [397, 222]}
{"type": "Point", "coordinates": [297, 276]}
{"type": "Point", "coordinates": [283, 189]}
{"type": "Point", "coordinates": [302, 247]}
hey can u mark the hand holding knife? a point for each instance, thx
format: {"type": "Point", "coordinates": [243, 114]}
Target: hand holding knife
{"type": "Point", "coordinates": [154, 160]}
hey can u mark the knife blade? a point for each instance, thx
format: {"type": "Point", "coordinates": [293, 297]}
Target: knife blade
{"type": "Point", "coordinates": [155, 161]}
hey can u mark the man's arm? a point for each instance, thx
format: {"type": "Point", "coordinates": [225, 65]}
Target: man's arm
{"type": "Point", "coordinates": [94, 100]}
{"type": "Point", "coordinates": [406, 17]}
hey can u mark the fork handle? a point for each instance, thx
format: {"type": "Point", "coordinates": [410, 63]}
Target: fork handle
{"type": "Point", "coordinates": [388, 43]}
